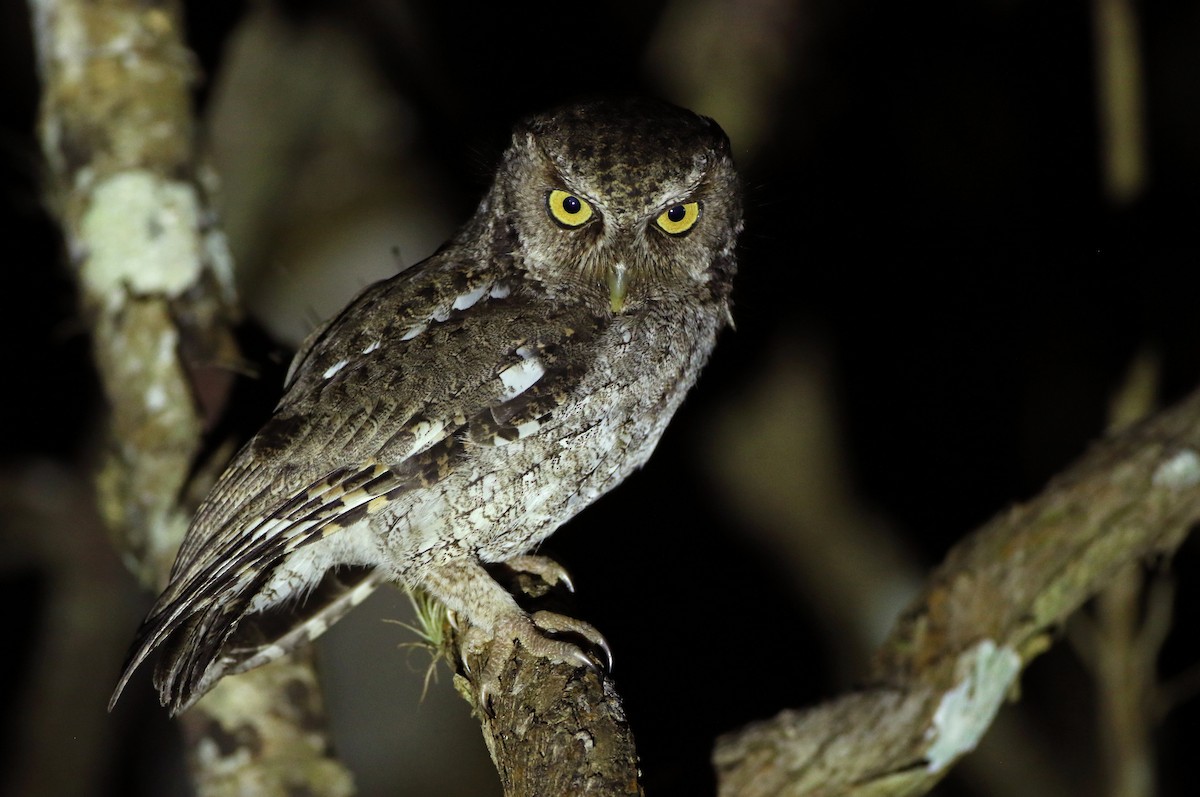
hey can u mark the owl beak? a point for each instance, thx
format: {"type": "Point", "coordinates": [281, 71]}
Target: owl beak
{"type": "Point", "coordinates": [617, 286]}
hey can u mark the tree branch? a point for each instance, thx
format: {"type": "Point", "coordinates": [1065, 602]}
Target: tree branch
{"type": "Point", "coordinates": [550, 728]}
{"type": "Point", "coordinates": [155, 283]}
{"type": "Point", "coordinates": [986, 612]}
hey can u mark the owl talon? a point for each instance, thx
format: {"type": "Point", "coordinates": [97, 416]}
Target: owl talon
{"type": "Point", "coordinates": [555, 623]}
{"type": "Point", "coordinates": [530, 631]}
{"type": "Point", "coordinates": [543, 567]}
{"type": "Point", "coordinates": [499, 650]}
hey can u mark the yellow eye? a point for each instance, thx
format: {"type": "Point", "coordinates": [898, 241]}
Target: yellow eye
{"type": "Point", "coordinates": [568, 209]}
{"type": "Point", "coordinates": [678, 219]}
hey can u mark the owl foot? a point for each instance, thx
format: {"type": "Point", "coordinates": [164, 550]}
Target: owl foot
{"type": "Point", "coordinates": [530, 632]}
{"type": "Point", "coordinates": [496, 624]}
{"type": "Point", "coordinates": [554, 623]}
{"type": "Point", "coordinates": [552, 574]}
{"type": "Point", "coordinates": [542, 567]}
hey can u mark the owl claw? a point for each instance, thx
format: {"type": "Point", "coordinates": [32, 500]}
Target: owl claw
{"type": "Point", "coordinates": [543, 567]}
{"type": "Point", "coordinates": [559, 623]}
{"type": "Point", "coordinates": [530, 631]}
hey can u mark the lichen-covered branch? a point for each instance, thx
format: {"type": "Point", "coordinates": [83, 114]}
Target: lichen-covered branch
{"type": "Point", "coordinates": [556, 729]}
{"type": "Point", "coordinates": [155, 285]}
{"type": "Point", "coordinates": [986, 612]}
{"type": "Point", "coordinates": [152, 271]}
{"type": "Point", "coordinates": [265, 733]}
{"type": "Point", "coordinates": [550, 728]}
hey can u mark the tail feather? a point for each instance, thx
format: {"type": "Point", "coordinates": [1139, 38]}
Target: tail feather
{"type": "Point", "coordinates": [262, 639]}
{"type": "Point", "coordinates": [191, 627]}
{"type": "Point", "coordinates": [215, 639]}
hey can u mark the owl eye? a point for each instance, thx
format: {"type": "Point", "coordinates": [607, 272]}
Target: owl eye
{"type": "Point", "coordinates": [568, 209]}
{"type": "Point", "coordinates": [678, 219]}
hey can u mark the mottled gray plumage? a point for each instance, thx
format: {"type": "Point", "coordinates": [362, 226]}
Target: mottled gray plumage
{"type": "Point", "coordinates": [459, 412]}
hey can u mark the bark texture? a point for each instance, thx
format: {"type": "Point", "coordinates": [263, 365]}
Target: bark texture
{"type": "Point", "coordinates": [155, 285]}
{"type": "Point", "coordinates": [997, 602]}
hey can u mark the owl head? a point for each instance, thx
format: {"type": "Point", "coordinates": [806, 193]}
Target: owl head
{"type": "Point", "coordinates": [621, 204]}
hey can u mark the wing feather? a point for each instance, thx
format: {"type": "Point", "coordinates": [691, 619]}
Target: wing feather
{"type": "Point", "coordinates": [344, 437]}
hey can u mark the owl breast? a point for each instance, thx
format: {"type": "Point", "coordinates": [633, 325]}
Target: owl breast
{"type": "Point", "coordinates": [505, 498]}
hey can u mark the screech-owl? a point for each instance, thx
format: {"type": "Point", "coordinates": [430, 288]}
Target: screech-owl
{"type": "Point", "coordinates": [456, 414]}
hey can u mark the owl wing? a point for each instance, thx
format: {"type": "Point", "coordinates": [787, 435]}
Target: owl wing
{"type": "Point", "coordinates": [385, 398]}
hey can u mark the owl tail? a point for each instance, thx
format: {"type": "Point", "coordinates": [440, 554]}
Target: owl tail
{"type": "Point", "coordinates": [266, 636]}
{"type": "Point", "coordinates": [191, 630]}
{"type": "Point", "coordinates": [223, 639]}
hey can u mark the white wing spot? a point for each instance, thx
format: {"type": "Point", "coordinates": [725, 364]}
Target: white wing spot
{"type": "Point", "coordinates": [426, 434]}
{"type": "Point", "coordinates": [333, 369]}
{"type": "Point", "coordinates": [520, 377]}
{"type": "Point", "coordinates": [500, 291]}
{"type": "Point", "coordinates": [527, 428]}
{"type": "Point", "coordinates": [372, 347]}
{"type": "Point", "coordinates": [523, 431]}
{"type": "Point", "coordinates": [463, 301]}
{"type": "Point", "coordinates": [414, 331]}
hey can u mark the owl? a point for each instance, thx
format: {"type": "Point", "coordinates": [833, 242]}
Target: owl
{"type": "Point", "coordinates": [456, 414]}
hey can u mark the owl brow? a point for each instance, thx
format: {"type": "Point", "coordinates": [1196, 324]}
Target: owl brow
{"type": "Point", "coordinates": [555, 174]}
{"type": "Point", "coordinates": [703, 180]}
{"type": "Point", "coordinates": [558, 181]}
{"type": "Point", "coordinates": [681, 198]}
